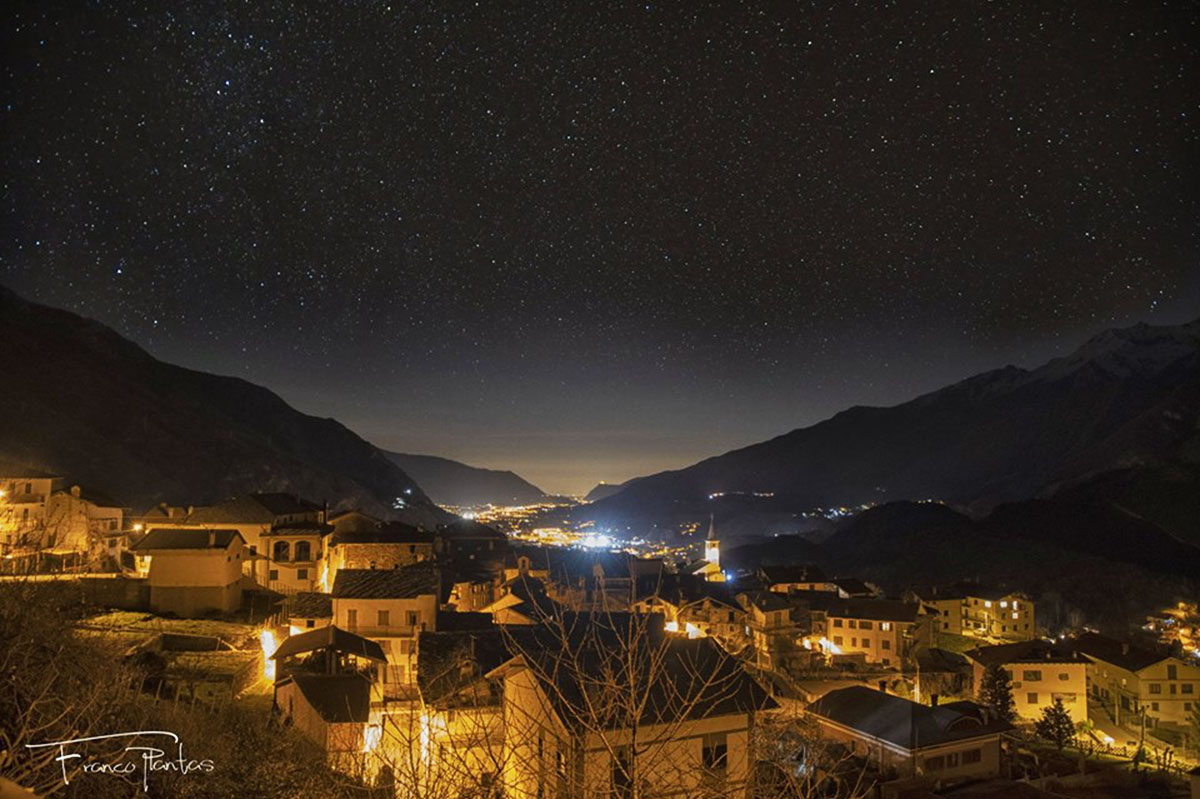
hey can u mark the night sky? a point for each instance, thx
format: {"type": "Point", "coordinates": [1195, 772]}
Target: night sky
{"type": "Point", "coordinates": [591, 245]}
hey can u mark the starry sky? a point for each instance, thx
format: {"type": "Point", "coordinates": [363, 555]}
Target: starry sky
{"type": "Point", "coordinates": [590, 242]}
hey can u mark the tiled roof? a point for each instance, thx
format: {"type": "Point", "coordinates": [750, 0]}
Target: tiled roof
{"type": "Point", "coordinates": [330, 637]}
{"type": "Point", "coordinates": [874, 609]}
{"type": "Point", "coordinates": [184, 538]}
{"type": "Point", "coordinates": [338, 698]}
{"type": "Point", "coordinates": [1118, 653]}
{"type": "Point", "coordinates": [805, 573]}
{"type": "Point", "coordinates": [310, 605]}
{"type": "Point", "coordinates": [1035, 651]}
{"type": "Point", "coordinates": [904, 723]}
{"type": "Point", "coordinates": [710, 682]}
{"type": "Point", "coordinates": [406, 582]}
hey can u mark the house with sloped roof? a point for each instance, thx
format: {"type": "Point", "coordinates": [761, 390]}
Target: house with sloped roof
{"type": "Point", "coordinates": [193, 572]}
{"type": "Point", "coordinates": [284, 535]}
{"type": "Point", "coordinates": [1041, 672]}
{"type": "Point", "coordinates": [798, 577]}
{"type": "Point", "coordinates": [957, 741]}
{"type": "Point", "coordinates": [335, 713]}
{"type": "Point", "coordinates": [1131, 680]}
{"type": "Point", "coordinates": [881, 630]}
{"type": "Point", "coordinates": [392, 607]}
{"type": "Point", "coordinates": [384, 546]}
{"type": "Point", "coordinates": [462, 703]}
{"type": "Point", "coordinates": [577, 695]}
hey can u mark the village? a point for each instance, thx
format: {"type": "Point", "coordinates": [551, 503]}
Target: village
{"type": "Point", "coordinates": [457, 661]}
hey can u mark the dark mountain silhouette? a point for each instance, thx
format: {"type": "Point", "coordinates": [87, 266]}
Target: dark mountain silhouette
{"type": "Point", "coordinates": [1127, 397]}
{"type": "Point", "coordinates": [80, 401]}
{"type": "Point", "coordinates": [449, 482]}
{"type": "Point", "coordinates": [603, 491]}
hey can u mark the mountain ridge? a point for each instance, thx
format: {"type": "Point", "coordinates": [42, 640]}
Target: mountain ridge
{"type": "Point", "coordinates": [89, 404]}
{"type": "Point", "coordinates": [1125, 396]}
{"type": "Point", "coordinates": [451, 482]}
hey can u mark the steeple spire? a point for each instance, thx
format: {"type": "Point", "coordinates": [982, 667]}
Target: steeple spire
{"type": "Point", "coordinates": [712, 527]}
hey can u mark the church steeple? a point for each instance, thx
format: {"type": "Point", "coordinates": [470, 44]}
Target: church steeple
{"type": "Point", "coordinates": [712, 545]}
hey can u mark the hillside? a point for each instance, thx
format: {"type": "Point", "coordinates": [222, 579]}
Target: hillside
{"type": "Point", "coordinates": [79, 400]}
{"type": "Point", "coordinates": [1126, 397]}
{"type": "Point", "coordinates": [449, 482]}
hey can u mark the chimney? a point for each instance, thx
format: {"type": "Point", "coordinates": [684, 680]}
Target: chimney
{"type": "Point", "coordinates": [75, 491]}
{"type": "Point", "coordinates": [933, 700]}
{"type": "Point", "coordinates": [883, 686]}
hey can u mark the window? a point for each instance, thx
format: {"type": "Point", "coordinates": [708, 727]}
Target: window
{"type": "Point", "coordinates": [945, 625]}
{"type": "Point", "coordinates": [303, 550]}
{"type": "Point", "coordinates": [837, 622]}
{"type": "Point", "coordinates": [281, 551]}
{"type": "Point", "coordinates": [351, 618]}
{"type": "Point", "coordinates": [887, 661]}
{"type": "Point", "coordinates": [885, 644]}
{"type": "Point", "coordinates": [837, 640]}
{"type": "Point", "coordinates": [273, 574]}
{"type": "Point", "coordinates": [1031, 676]}
{"type": "Point", "coordinates": [1172, 673]}
{"type": "Point", "coordinates": [1032, 698]}
{"type": "Point", "coordinates": [972, 756]}
{"type": "Point", "coordinates": [866, 642]}
{"type": "Point", "coordinates": [852, 624]}
{"type": "Point", "coordinates": [864, 625]}
{"type": "Point", "coordinates": [1062, 675]}
{"type": "Point", "coordinates": [405, 646]}
{"type": "Point", "coordinates": [951, 759]}
{"type": "Point", "coordinates": [1173, 686]}
{"type": "Point", "coordinates": [301, 574]}
{"type": "Point", "coordinates": [885, 625]}
{"type": "Point", "coordinates": [410, 618]}
{"type": "Point", "coordinates": [253, 549]}
{"type": "Point", "coordinates": [1156, 688]}
{"type": "Point", "coordinates": [310, 623]}
{"type": "Point", "coordinates": [383, 618]}
{"type": "Point", "coordinates": [1154, 706]}
{"type": "Point", "coordinates": [936, 763]}
{"type": "Point", "coordinates": [1188, 687]}
{"type": "Point", "coordinates": [716, 751]}
{"type": "Point", "coordinates": [853, 642]}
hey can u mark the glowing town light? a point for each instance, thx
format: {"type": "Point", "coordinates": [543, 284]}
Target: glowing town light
{"type": "Point", "coordinates": [596, 541]}
{"type": "Point", "coordinates": [137, 528]}
{"type": "Point", "coordinates": [424, 736]}
{"type": "Point", "coordinates": [371, 737]}
{"type": "Point", "coordinates": [671, 626]}
{"type": "Point", "coordinates": [267, 639]}
{"type": "Point", "coordinates": [830, 647]}
{"type": "Point", "coordinates": [294, 630]}
{"type": "Point", "coordinates": [325, 579]}
{"type": "Point", "coordinates": [692, 630]}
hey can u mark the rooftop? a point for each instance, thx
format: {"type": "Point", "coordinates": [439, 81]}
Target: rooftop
{"type": "Point", "coordinates": [903, 723]}
{"type": "Point", "coordinates": [1118, 653]}
{"type": "Point", "coordinates": [185, 538]}
{"type": "Point", "coordinates": [330, 637]}
{"type": "Point", "coordinates": [310, 605]}
{"type": "Point", "coordinates": [1034, 651]}
{"type": "Point", "coordinates": [406, 582]}
{"type": "Point", "coordinates": [874, 609]}
{"type": "Point", "coordinates": [803, 573]}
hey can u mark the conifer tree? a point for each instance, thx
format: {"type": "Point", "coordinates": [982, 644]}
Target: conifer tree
{"type": "Point", "coordinates": [1055, 725]}
{"type": "Point", "coordinates": [995, 691]}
